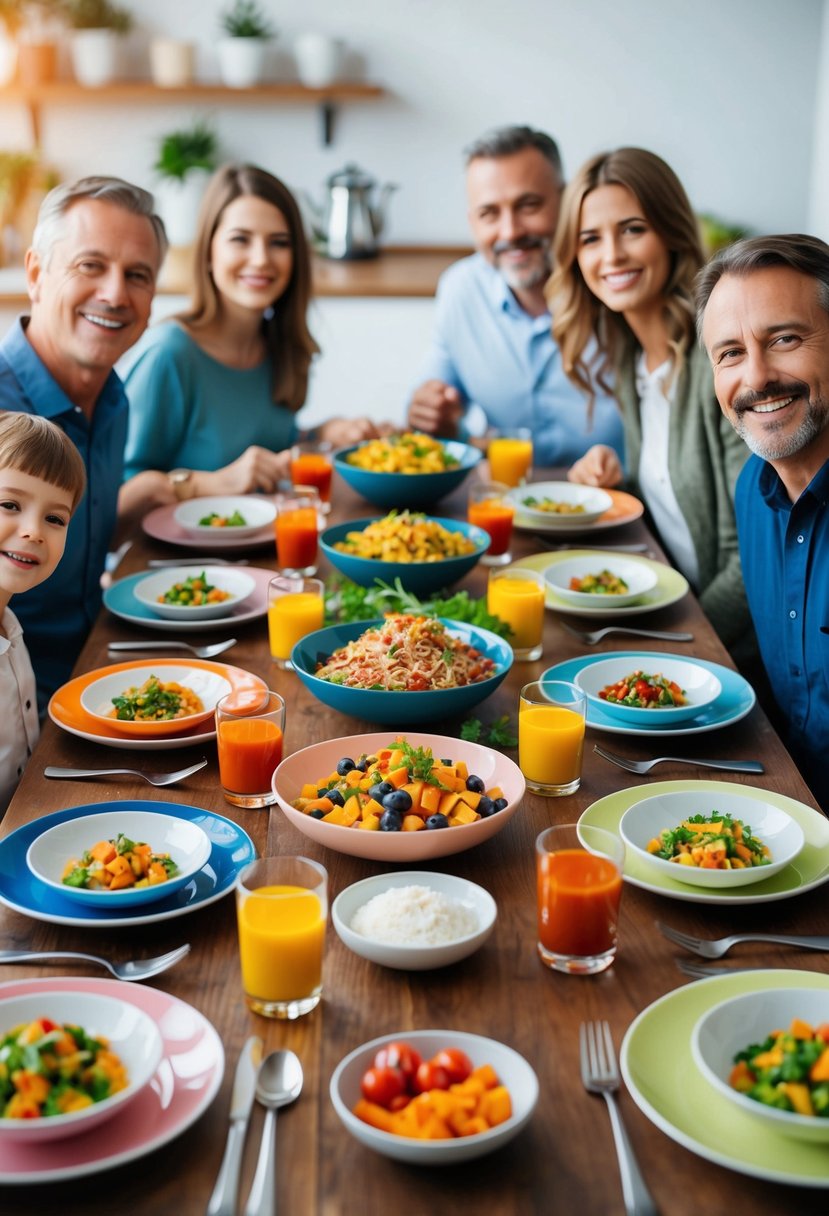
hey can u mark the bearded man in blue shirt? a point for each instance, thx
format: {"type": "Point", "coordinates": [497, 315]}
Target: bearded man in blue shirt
{"type": "Point", "coordinates": [763, 314]}
{"type": "Point", "coordinates": [493, 361]}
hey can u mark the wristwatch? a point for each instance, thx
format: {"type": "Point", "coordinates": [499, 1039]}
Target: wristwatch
{"type": "Point", "coordinates": [181, 481]}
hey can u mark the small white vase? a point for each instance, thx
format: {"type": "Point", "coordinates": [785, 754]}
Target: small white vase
{"type": "Point", "coordinates": [242, 61]}
{"type": "Point", "coordinates": [94, 57]}
{"type": "Point", "coordinates": [172, 62]}
{"type": "Point", "coordinates": [318, 59]}
{"type": "Point", "coordinates": [178, 201]}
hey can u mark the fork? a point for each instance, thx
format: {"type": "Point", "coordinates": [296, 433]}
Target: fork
{"type": "Point", "coordinates": [201, 652]}
{"type": "Point", "coordinates": [645, 766]}
{"type": "Point", "coordinates": [600, 1075]}
{"type": "Point", "coordinates": [701, 971]}
{"type": "Point", "coordinates": [706, 948]}
{"type": "Point", "coordinates": [154, 778]}
{"type": "Point", "coordinates": [592, 636]}
{"type": "Point", "coordinates": [142, 969]}
{"type": "Point", "coordinates": [169, 563]}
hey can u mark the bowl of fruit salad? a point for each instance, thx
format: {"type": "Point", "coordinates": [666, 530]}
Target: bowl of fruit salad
{"type": "Point", "coordinates": [649, 689]}
{"type": "Point", "coordinates": [601, 581]}
{"type": "Point", "coordinates": [194, 593]}
{"type": "Point", "coordinates": [398, 797]}
{"type": "Point", "coordinates": [231, 515]}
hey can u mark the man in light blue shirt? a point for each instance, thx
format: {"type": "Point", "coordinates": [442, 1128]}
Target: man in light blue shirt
{"type": "Point", "coordinates": [493, 361]}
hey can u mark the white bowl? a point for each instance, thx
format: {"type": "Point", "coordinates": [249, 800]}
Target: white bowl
{"type": "Point", "coordinates": [701, 687]}
{"type": "Point", "coordinates": [420, 957]}
{"type": "Point", "coordinates": [209, 686]}
{"type": "Point", "coordinates": [736, 1023]}
{"type": "Point", "coordinates": [256, 511]}
{"type": "Point", "coordinates": [148, 590]}
{"type": "Point", "coordinates": [770, 824]}
{"type": "Point", "coordinates": [187, 844]}
{"type": "Point", "coordinates": [512, 1069]}
{"type": "Point", "coordinates": [640, 580]}
{"type": "Point", "coordinates": [594, 501]}
{"type": "Point", "coordinates": [132, 1035]}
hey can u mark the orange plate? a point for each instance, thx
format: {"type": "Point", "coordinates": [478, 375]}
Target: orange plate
{"type": "Point", "coordinates": [625, 510]}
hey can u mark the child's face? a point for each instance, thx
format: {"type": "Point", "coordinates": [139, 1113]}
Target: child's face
{"type": "Point", "coordinates": [34, 516]}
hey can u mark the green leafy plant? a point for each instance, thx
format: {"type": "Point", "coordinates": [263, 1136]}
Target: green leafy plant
{"type": "Point", "coordinates": [98, 15]}
{"type": "Point", "coordinates": [181, 151]}
{"type": "Point", "coordinates": [245, 19]}
{"type": "Point", "coordinates": [499, 733]}
{"type": "Point", "coordinates": [346, 601]}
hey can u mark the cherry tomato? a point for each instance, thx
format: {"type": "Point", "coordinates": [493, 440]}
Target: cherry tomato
{"type": "Point", "coordinates": [456, 1063]}
{"type": "Point", "coordinates": [431, 1076]}
{"type": "Point", "coordinates": [400, 1056]}
{"type": "Point", "coordinates": [382, 1085]}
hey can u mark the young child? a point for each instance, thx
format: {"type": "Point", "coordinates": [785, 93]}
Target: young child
{"type": "Point", "coordinates": [42, 480]}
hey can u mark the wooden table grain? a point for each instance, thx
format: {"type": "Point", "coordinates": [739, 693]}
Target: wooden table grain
{"type": "Point", "coordinates": [564, 1161]}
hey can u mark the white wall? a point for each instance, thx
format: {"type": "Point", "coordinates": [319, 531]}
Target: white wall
{"type": "Point", "coordinates": [819, 194]}
{"type": "Point", "coordinates": [725, 90]}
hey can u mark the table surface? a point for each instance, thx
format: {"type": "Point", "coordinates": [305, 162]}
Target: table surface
{"type": "Point", "coordinates": [564, 1160]}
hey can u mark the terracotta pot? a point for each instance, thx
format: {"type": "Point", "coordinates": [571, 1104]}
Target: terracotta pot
{"type": "Point", "coordinates": [37, 63]}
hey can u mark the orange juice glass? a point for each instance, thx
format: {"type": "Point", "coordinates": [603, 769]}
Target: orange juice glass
{"type": "Point", "coordinates": [517, 597]}
{"type": "Point", "coordinates": [295, 607]}
{"type": "Point", "coordinates": [579, 878]}
{"type": "Point", "coordinates": [490, 509]}
{"type": "Point", "coordinates": [551, 717]}
{"type": "Point", "coordinates": [510, 455]}
{"type": "Point", "coordinates": [281, 911]}
{"type": "Point", "coordinates": [311, 465]}
{"type": "Point", "coordinates": [297, 530]}
{"type": "Point", "coordinates": [250, 725]}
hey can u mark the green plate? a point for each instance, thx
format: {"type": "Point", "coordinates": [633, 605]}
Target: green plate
{"type": "Point", "coordinates": [809, 869]}
{"type": "Point", "coordinates": [670, 585]}
{"type": "Point", "coordinates": [666, 1085]}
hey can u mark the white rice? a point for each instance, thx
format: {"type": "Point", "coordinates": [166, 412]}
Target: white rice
{"type": "Point", "coordinates": [414, 916]}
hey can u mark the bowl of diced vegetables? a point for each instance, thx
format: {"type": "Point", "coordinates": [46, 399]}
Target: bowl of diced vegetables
{"type": "Point", "coordinates": [649, 689]}
{"type": "Point", "coordinates": [226, 515]}
{"type": "Point", "coordinates": [560, 504]}
{"type": "Point", "coordinates": [711, 840]}
{"type": "Point", "coordinates": [119, 858]}
{"type": "Point", "coordinates": [158, 699]}
{"type": "Point", "coordinates": [194, 593]}
{"type": "Point", "coordinates": [767, 1052]}
{"type": "Point", "coordinates": [70, 1061]}
{"type": "Point", "coordinates": [601, 581]}
{"type": "Point", "coordinates": [408, 470]}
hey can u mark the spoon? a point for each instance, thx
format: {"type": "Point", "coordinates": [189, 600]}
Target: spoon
{"type": "Point", "coordinates": [278, 1083]}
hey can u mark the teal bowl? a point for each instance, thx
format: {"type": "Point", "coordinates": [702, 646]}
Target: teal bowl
{"type": "Point", "coordinates": [421, 490]}
{"type": "Point", "coordinates": [420, 577]}
{"type": "Point", "coordinates": [397, 708]}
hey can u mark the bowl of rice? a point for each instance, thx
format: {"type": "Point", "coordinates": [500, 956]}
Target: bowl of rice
{"type": "Point", "coordinates": [414, 920]}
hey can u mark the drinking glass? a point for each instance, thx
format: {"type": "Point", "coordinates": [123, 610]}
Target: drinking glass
{"type": "Point", "coordinates": [297, 530]}
{"type": "Point", "coordinates": [250, 725]}
{"type": "Point", "coordinates": [510, 455]}
{"type": "Point", "coordinates": [296, 607]}
{"type": "Point", "coordinates": [579, 878]}
{"type": "Point", "coordinates": [490, 509]}
{"type": "Point", "coordinates": [281, 911]}
{"type": "Point", "coordinates": [517, 596]}
{"type": "Point", "coordinates": [311, 465]}
{"type": "Point", "coordinates": [551, 717]}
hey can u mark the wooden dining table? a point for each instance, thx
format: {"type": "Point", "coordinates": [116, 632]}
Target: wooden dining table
{"type": "Point", "coordinates": [563, 1161]}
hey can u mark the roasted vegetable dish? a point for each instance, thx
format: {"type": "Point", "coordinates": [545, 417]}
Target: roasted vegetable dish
{"type": "Point", "coordinates": [115, 865]}
{"type": "Point", "coordinates": [603, 583]}
{"type": "Point", "coordinates": [155, 701]}
{"type": "Point", "coordinates": [789, 1070]}
{"type": "Point", "coordinates": [406, 537]}
{"type": "Point", "coordinates": [193, 592]}
{"type": "Point", "coordinates": [49, 1069]}
{"type": "Point", "coordinates": [711, 842]}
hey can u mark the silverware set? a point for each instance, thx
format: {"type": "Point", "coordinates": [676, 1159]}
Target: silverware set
{"type": "Point", "coordinates": [717, 947]}
{"type": "Point", "coordinates": [644, 766]}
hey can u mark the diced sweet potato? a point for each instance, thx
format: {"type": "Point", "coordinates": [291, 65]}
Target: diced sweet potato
{"type": "Point", "coordinates": [103, 851]}
{"type": "Point", "coordinates": [495, 1105]}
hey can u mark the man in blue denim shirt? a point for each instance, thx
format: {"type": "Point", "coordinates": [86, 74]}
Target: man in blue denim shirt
{"type": "Point", "coordinates": [91, 275]}
{"type": "Point", "coordinates": [763, 311]}
{"type": "Point", "coordinates": [493, 361]}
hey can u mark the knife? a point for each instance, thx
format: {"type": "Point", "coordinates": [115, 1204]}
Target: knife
{"type": "Point", "coordinates": [223, 1200]}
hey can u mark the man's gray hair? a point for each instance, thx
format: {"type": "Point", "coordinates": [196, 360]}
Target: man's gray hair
{"type": "Point", "coordinates": [50, 219]}
{"type": "Point", "coordinates": [506, 141]}
{"type": "Point", "coordinates": [806, 254]}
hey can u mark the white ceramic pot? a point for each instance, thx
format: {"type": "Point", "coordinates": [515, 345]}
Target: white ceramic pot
{"type": "Point", "coordinates": [172, 62]}
{"type": "Point", "coordinates": [242, 61]}
{"type": "Point", "coordinates": [94, 56]}
{"type": "Point", "coordinates": [178, 203]}
{"type": "Point", "coordinates": [318, 59]}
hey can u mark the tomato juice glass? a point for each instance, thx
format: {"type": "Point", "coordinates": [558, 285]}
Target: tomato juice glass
{"type": "Point", "coordinates": [311, 465]}
{"type": "Point", "coordinates": [490, 509]}
{"type": "Point", "coordinates": [250, 726]}
{"type": "Point", "coordinates": [281, 913]}
{"type": "Point", "coordinates": [517, 596]}
{"type": "Point", "coordinates": [579, 878]}
{"type": "Point", "coordinates": [296, 607]}
{"type": "Point", "coordinates": [297, 531]}
{"type": "Point", "coordinates": [551, 718]}
{"type": "Point", "coordinates": [510, 455]}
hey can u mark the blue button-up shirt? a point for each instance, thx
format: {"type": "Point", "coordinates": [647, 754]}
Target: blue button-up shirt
{"type": "Point", "coordinates": [783, 547]}
{"type": "Point", "coordinates": [506, 363]}
{"type": "Point", "coordinates": [57, 615]}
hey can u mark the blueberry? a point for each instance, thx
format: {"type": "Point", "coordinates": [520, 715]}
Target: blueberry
{"type": "Point", "coordinates": [317, 814]}
{"type": "Point", "coordinates": [486, 807]}
{"type": "Point", "coordinates": [438, 820]}
{"type": "Point", "coordinates": [345, 766]}
{"type": "Point", "coordinates": [448, 763]}
{"type": "Point", "coordinates": [398, 800]}
{"type": "Point", "coordinates": [361, 765]}
{"type": "Point", "coordinates": [391, 821]}
{"type": "Point", "coordinates": [475, 784]}
{"type": "Point", "coordinates": [379, 791]}
{"type": "Point", "coordinates": [500, 803]}
{"type": "Point", "coordinates": [335, 796]}
{"type": "Point", "coordinates": [322, 792]}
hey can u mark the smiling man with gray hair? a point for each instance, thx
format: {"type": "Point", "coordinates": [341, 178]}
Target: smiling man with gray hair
{"type": "Point", "coordinates": [493, 361]}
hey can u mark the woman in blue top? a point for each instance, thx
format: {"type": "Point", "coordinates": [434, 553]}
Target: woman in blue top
{"type": "Point", "coordinates": [215, 390]}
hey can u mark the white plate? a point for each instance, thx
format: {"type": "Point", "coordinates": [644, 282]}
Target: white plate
{"type": "Point", "coordinates": [699, 684]}
{"type": "Point", "coordinates": [594, 501]}
{"type": "Point", "coordinates": [257, 512]}
{"type": "Point", "coordinates": [239, 585]}
{"type": "Point", "coordinates": [160, 524]}
{"type": "Point", "coordinates": [119, 599]}
{"type": "Point", "coordinates": [640, 581]}
{"type": "Point", "coordinates": [208, 686]}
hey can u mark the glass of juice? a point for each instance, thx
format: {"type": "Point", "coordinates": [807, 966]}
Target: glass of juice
{"type": "Point", "coordinates": [510, 455]}
{"type": "Point", "coordinates": [579, 876]}
{"type": "Point", "coordinates": [551, 736]}
{"type": "Point", "coordinates": [311, 465]}
{"type": "Point", "coordinates": [281, 911]}
{"type": "Point", "coordinates": [297, 530]}
{"type": "Point", "coordinates": [250, 725]}
{"type": "Point", "coordinates": [490, 509]}
{"type": "Point", "coordinates": [517, 597]}
{"type": "Point", "coordinates": [295, 607]}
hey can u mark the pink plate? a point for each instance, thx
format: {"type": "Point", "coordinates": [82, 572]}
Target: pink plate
{"type": "Point", "coordinates": [185, 1083]}
{"type": "Point", "coordinates": [161, 525]}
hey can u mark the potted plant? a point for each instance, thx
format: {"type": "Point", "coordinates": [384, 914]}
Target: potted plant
{"type": "Point", "coordinates": [185, 161]}
{"type": "Point", "coordinates": [96, 27]}
{"type": "Point", "coordinates": [24, 180]}
{"type": "Point", "coordinates": [242, 52]}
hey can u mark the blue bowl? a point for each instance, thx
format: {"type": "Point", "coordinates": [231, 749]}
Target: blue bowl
{"type": "Point", "coordinates": [408, 489]}
{"type": "Point", "coordinates": [397, 708]}
{"type": "Point", "coordinates": [419, 577]}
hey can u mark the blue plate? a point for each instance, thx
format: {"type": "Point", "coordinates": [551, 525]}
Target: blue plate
{"type": "Point", "coordinates": [419, 577]}
{"type": "Point", "coordinates": [735, 701]}
{"type": "Point", "coordinates": [120, 600]}
{"type": "Point", "coordinates": [19, 889]}
{"type": "Point", "coordinates": [398, 708]}
{"type": "Point", "coordinates": [408, 489]}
